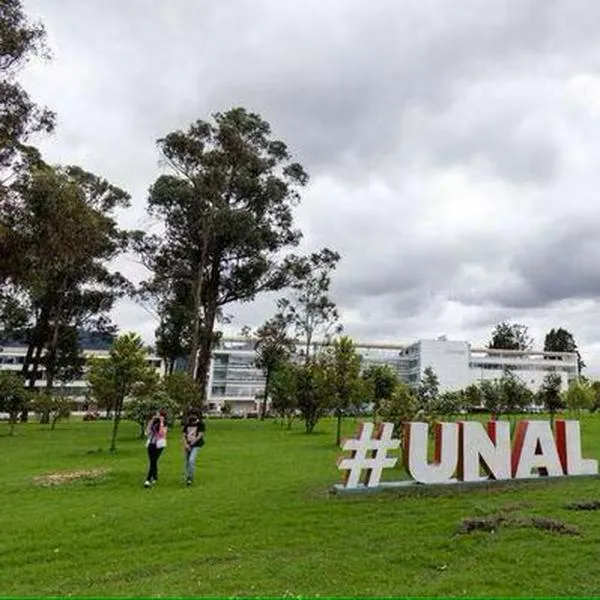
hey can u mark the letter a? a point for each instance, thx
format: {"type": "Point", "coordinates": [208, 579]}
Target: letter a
{"type": "Point", "coordinates": [491, 450]}
{"type": "Point", "coordinates": [415, 452]}
{"type": "Point", "coordinates": [531, 436]}
{"type": "Point", "coordinates": [568, 441]}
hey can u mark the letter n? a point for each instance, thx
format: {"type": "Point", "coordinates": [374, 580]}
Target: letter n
{"type": "Point", "coordinates": [479, 449]}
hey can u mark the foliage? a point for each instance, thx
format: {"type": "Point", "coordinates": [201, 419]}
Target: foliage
{"type": "Point", "coordinates": [273, 348]}
{"type": "Point", "coordinates": [184, 391]}
{"type": "Point", "coordinates": [284, 391]}
{"type": "Point", "coordinates": [549, 395]}
{"type": "Point", "coordinates": [20, 118]}
{"type": "Point", "coordinates": [429, 391]}
{"type": "Point", "coordinates": [13, 396]}
{"type": "Point", "coordinates": [508, 395]}
{"type": "Point", "coordinates": [55, 407]}
{"type": "Point", "coordinates": [516, 396]}
{"type": "Point", "coordinates": [308, 307]}
{"type": "Point", "coordinates": [341, 364]}
{"type": "Point", "coordinates": [383, 380]}
{"type": "Point", "coordinates": [227, 215]}
{"type": "Point", "coordinates": [314, 392]}
{"type": "Point", "coordinates": [579, 395]}
{"type": "Point", "coordinates": [141, 408]}
{"type": "Point", "coordinates": [120, 375]}
{"type": "Point", "coordinates": [449, 403]}
{"type": "Point", "coordinates": [226, 408]}
{"type": "Point", "coordinates": [561, 340]}
{"type": "Point", "coordinates": [491, 395]}
{"type": "Point", "coordinates": [401, 407]}
{"type": "Point", "coordinates": [510, 336]}
{"type": "Point", "coordinates": [62, 233]}
{"type": "Point", "coordinates": [595, 387]}
{"type": "Point", "coordinates": [472, 397]}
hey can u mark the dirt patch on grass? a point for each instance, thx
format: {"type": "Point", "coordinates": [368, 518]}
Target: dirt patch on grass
{"type": "Point", "coordinates": [65, 477]}
{"type": "Point", "coordinates": [492, 523]}
{"type": "Point", "coordinates": [584, 505]}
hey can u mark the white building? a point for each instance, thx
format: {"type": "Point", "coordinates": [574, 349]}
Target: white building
{"type": "Point", "coordinates": [235, 379]}
{"type": "Point", "coordinates": [12, 358]}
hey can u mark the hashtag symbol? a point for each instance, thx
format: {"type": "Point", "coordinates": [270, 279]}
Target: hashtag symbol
{"type": "Point", "coordinates": [359, 462]}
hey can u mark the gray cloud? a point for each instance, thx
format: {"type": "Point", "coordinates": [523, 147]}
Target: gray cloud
{"type": "Point", "coordinates": [451, 146]}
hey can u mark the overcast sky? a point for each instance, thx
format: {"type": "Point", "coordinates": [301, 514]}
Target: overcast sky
{"type": "Point", "coordinates": [453, 147]}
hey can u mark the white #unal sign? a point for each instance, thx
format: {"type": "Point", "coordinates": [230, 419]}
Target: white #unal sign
{"type": "Point", "coordinates": [466, 451]}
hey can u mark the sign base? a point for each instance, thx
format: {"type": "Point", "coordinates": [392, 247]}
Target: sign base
{"type": "Point", "coordinates": [410, 484]}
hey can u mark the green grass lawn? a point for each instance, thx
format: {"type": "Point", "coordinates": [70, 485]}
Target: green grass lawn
{"type": "Point", "coordinates": [260, 521]}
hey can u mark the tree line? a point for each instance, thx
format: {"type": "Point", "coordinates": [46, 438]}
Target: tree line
{"type": "Point", "coordinates": [225, 206]}
{"type": "Point", "coordinates": [334, 381]}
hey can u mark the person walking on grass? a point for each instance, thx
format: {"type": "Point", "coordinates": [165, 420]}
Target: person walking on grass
{"type": "Point", "coordinates": [193, 440]}
{"type": "Point", "coordinates": [156, 442]}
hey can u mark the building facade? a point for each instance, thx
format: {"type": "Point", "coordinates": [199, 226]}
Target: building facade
{"type": "Point", "coordinates": [12, 358]}
{"type": "Point", "coordinates": [235, 379]}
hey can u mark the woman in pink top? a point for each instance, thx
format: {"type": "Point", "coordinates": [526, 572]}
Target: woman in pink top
{"type": "Point", "coordinates": [156, 443]}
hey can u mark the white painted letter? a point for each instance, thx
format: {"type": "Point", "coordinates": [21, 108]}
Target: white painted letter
{"type": "Point", "coordinates": [491, 449]}
{"type": "Point", "coordinates": [415, 452]}
{"type": "Point", "coordinates": [568, 441]}
{"type": "Point", "coordinates": [531, 436]}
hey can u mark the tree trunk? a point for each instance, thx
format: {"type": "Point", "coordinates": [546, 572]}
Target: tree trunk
{"type": "Point", "coordinates": [13, 421]}
{"type": "Point", "coordinates": [192, 366]}
{"type": "Point", "coordinates": [53, 346]}
{"type": "Point", "coordinates": [118, 407]}
{"type": "Point", "coordinates": [53, 424]}
{"type": "Point", "coordinates": [338, 438]}
{"type": "Point", "coordinates": [206, 339]}
{"type": "Point", "coordinates": [263, 411]}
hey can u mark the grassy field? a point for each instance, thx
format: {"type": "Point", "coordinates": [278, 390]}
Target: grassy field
{"type": "Point", "coordinates": [260, 521]}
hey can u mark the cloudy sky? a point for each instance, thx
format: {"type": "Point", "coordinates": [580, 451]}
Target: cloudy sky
{"type": "Point", "coordinates": [453, 147]}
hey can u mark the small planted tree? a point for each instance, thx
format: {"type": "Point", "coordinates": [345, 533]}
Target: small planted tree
{"type": "Point", "coordinates": [491, 395]}
{"type": "Point", "coordinates": [549, 395]}
{"type": "Point", "coordinates": [595, 387]}
{"type": "Point", "coordinates": [284, 392]}
{"type": "Point", "coordinates": [184, 391]}
{"type": "Point", "coordinates": [52, 407]}
{"type": "Point", "coordinates": [401, 407]}
{"type": "Point", "coordinates": [579, 396]}
{"type": "Point", "coordinates": [515, 395]}
{"type": "Point", "coordinates": [472, 397]}
{"type": "Point", "coordinates": [429, 391]}
{"type": "Point", "coordinates": [273, 348]}
{"type": "Point", "coordinates": [383, 380]}
{"type": "Point", "coordinates": [449, 403]}
{"type": "Point", "coordinates": [341, 365]}
{"type": "Point", "coordinates": [13, 396]}
{"type": "Point", "coordinates": [141, 409]}
{"type": "Point", "coordinates": [308, 308]}
{"type": "Point", "coordinates": [314, 392]}
{"type": "Point", "coordinates": [124, 370]}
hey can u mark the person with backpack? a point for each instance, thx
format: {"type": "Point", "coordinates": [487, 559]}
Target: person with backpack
{"type": "Point", "coordinates": [193, 440]}
{"type": "Point", "coordinates": [156, 442]}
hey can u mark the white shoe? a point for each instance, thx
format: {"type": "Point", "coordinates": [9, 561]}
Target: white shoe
{"type": "Point", "coordinates": [147, 484]}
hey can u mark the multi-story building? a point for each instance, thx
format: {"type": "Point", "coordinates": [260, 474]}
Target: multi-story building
{"type": "Point", "coordinates": [235, 379]}
{"type": "Point", "coordinates": [12, 358]}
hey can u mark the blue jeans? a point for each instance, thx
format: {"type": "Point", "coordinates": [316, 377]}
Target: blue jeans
{"type": "Point", "coordinates": [190, 463]}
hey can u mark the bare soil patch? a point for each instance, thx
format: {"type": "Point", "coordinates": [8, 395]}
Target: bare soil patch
{"type": "Point", "coordinates": [64, 477]}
